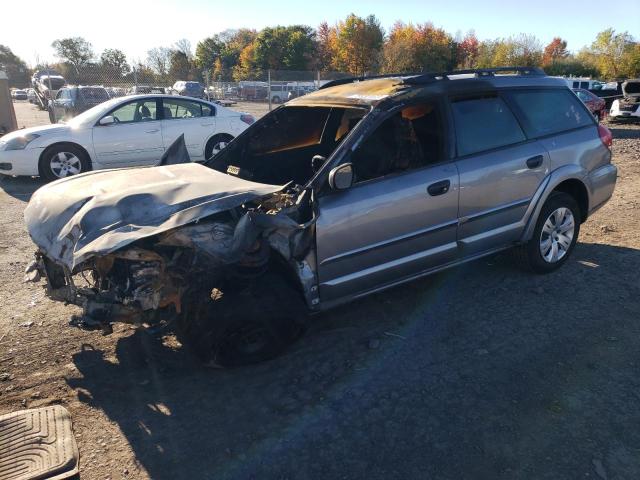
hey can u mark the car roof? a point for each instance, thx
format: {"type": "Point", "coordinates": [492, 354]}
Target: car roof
{"type": "Point", "coordinates": [371, 91]}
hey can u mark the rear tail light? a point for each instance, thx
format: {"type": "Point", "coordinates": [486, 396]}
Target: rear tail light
{"type": "Point", "coordinates": [248, 119]}
{"type": "Point", "coordinates": [605, 136]}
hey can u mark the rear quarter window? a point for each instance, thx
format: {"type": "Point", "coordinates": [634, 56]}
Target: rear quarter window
{"type": "Point", "coordinates": [483, 124]}
{"type": "Point", "coordinates": [546, 112]}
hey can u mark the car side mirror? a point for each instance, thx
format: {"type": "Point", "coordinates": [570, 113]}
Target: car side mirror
{"type": "Point", "coordinates": [341, 177]}
{"type": "Point", "coordinates": [108, 120]}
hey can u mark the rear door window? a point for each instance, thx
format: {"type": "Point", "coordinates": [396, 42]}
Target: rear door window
{"type": "Point", "coordinates": [545, 112]}
{"type": "Point", "coordinates": [483, 124]}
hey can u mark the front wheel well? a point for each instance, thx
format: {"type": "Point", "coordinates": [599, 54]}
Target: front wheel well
{"type": "Point", "coordinates": [58, 144]}
{"type": "Point", "coordinates": [578, 191]}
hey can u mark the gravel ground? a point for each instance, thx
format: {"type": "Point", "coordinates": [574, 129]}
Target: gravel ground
{"type": "Point", "coordinates": [480, 372]}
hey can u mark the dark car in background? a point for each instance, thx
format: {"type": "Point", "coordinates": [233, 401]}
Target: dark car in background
{"type": "Point", "coordinates": [188, 89]}
{"type": "Point", "coordinates": [19, 95]}
{"type": "Point", "coordinates": [71, 101]}
{"type": "Point", "coordinates": [595, 104]}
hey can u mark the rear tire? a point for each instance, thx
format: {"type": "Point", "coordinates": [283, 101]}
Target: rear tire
{"type": "Point", "coordinates": [63, 160]}
{"type": "Point", "coordinates": [245, 325]}
{"type": "Point", "coordinates": [554, 236]}
{"type": "Point", "coordinates": [216, 144]}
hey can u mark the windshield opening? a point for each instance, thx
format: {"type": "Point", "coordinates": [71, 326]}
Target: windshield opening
{"type": "Point", "coordinates": [281, 148]}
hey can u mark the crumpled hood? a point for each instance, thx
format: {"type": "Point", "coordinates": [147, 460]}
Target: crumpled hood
{"type": "Point", "coordinates": [96, 213]}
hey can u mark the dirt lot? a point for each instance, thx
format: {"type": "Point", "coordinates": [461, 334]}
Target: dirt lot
{"type": "Point", "coordinates": [480, 372]}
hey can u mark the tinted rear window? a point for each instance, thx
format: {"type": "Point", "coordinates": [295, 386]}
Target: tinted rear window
{"type": "Point", "coordinates": [550, 111]}
{"type": "Point", "coordinates": [483, 124]}
{"type": "Point", "coordinates": [94, 94]}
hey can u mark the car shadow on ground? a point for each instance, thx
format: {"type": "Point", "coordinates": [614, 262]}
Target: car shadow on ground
{"type": "Point", "coordinates": [20, 188]}
{"type": "Point", "coordinates": [482, 371]}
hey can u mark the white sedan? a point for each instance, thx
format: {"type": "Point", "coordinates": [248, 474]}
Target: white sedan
{"type": "Point", "coordinates": [122, 132]}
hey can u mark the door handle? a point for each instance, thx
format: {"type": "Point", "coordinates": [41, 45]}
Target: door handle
{"type": "Point", "coordinates": [155, 130]}
{"type": "Point", "coordinates": [535, 162]}
{"type": "Point", "coordinates": [439, 188]}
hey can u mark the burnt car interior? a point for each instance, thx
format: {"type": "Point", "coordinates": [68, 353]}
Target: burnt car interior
{"type": "Point", "coordinates": [409, 139]}
{"type": "Point", "coordinates": [281, 148]}
{"type": "Point", "coordinates": [295, 141]}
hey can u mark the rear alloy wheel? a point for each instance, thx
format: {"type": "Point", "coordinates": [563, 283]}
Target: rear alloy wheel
{"type": "Point", "coordinates": [216, 144]}
{"type": "Point", "coordinates": [554, 236]}
{"type": "Point", "coordinates": [63, 161]}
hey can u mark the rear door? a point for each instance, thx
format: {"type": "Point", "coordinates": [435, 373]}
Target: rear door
{"type": "Point", "coordinates": [194, 119]}
{"type": "Point", "coordinates": [134, 139]}
{"type": "Point", "coordinates": [500, 171]}
{"type": "Point", "coordinates": [400, 217]}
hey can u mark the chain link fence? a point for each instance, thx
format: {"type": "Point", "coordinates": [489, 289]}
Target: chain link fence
{"type": "Point", "coordinates": [269, 88]}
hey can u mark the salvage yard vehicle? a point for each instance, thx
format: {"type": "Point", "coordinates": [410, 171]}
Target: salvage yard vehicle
{"type": "Point", "coordinates": [627, 107]}
{"type": "Point", "coordinates": [71, 101]}
{"type": "Point", "coordinates": [121, 132]}
{"type": "Point", "coordinates": [358, 187]}
{"type": "Point", "coordinates": [596, 105]}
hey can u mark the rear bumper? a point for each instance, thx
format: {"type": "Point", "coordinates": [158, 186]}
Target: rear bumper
{"type": "Point", "coordinates": [603, 182]}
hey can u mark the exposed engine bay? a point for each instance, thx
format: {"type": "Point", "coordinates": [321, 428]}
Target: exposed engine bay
{"type": "Point", "coordinates": [230, 248]}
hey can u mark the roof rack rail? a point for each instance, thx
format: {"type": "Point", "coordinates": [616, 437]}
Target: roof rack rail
{"type": "Point", "coordinates": [420, 78]}
{"type": "Point", "coordinates": [477, 72]}
{"type": "Point", "coordinates": [344, 81]}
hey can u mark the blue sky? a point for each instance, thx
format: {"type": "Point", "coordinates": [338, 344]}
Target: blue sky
{"type": "Point", "coordinates": [135, 26]}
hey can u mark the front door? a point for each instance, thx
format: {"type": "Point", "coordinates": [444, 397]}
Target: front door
{"type": "Point", "coordinates": [135, 137]}
{"type": "Point", "coordinates": [400, 217]}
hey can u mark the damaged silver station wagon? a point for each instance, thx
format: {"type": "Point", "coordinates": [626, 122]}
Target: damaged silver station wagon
{"type": "Point", "coordinates": [360, 186]}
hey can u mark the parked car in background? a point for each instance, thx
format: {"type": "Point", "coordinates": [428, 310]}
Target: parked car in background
{"type": "Point", "coordinates": [73, 100]}
{"type": "Point", "coordinates": [139, 90]}
{"type": "Point", "coordinates": [627, 107]}
{"type": "Point", "coordinates": [19, 94]}
{"type": "Point", "coordinates": [31, 96]}
{"type": "Point", "coordinates": [596, 105]}
{"type": "Point", "coordinates": [121, 132]}
{"type": "Point", "coordinates": [584, 83]}
{"type": "Point", "coordinates": [359, 187]}
{"type": "Point", "coordinates": [188, 89]}
{"type": "Point", "coordinates": [115, 92]}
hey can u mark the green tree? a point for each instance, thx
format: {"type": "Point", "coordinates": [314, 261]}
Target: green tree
{"type": "Point", "coordinates": [180, 67]}
{"type": "Point", "coordinates": [14, 67]}
{"type": "Point", "coordinates": [115, 60]}
{"type": "Point", "coordinates": [76, 51]}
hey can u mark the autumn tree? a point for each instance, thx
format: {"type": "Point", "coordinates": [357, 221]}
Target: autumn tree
{"type": "Point", "coordinates": [468, 50]}
{"type": "Point", "coordinates": [358, 44]}
{"type": "Point", "coordinates": [609, 51]}
{"type": "Point", "coordinates": [555, 51]}
{"type": "Point", "coordinates": [325, 46]}
{"type": "Point", "coordinates": [75, 51]}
